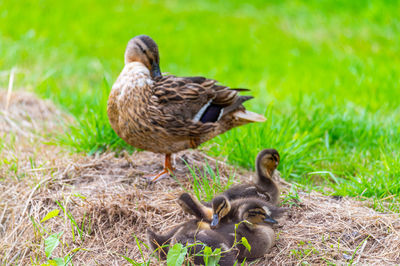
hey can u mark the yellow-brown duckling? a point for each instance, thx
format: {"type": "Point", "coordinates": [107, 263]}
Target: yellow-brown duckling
{"type": "Point", "coordinates": [255, 225]}
{"type": "Point", "coordinates": [254, 219]}
{"type": "Point", "coordinates": [263, 187]}
{"type": "Point", "coordinates": [195, 234]}
{"type": "Point", "coordinates": [226, 211]}
{"type": "Point", "coordinates": [168, 114]}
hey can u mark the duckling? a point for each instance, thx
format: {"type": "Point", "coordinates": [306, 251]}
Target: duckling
{"type": "Point", "coordinates": [256, 228]}
{"type": "Point", "coordinates": [168, 114]}
{"type": "Point", "coordinates": [263, 187]}
{"type": "Point", "coordinates": [190, 205]}
{"type": "Point", "coordinates": [195, 234]}
{"type": "Point", "coordinates": [160, 242]}
{"type": "Point", "coordinates": [254, 217]}
{"type": "Point", "coordinates": [226, 211]}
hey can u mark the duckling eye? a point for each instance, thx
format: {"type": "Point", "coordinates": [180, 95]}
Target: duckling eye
{"type": "Point", "coordinates": [256, 212]}
{"type": "Point", "coordinates": [221, 207]}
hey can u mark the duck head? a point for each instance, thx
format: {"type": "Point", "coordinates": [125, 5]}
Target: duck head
{"type": "Point", "coordinates": [257, 215]}
{"type": "Point", "coordinates": [221, 208]}
{"type": "Point", "coordinates": [143, 49]}
{"type": "Point", "coordinates": [266, 163]}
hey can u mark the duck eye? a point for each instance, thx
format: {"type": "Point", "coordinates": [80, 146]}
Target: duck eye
{"type": "Point", "coordinates": [141, 48]}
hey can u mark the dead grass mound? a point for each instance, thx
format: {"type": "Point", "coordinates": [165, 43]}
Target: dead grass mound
{"type": "Point", "coordinates": [105, 202]}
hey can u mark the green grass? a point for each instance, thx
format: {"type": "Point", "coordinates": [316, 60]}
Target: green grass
{"type": "Point", "coordinates": [206, 183]}
{"type": "Point", "coordinates": [325, 73]}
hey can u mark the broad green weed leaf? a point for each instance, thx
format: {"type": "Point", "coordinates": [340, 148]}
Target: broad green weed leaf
{"type": "Point", "coordinates": [211, 258]}
{"type": "Point", "coordinates": [176, 255]}
{"type": "Point", "coordinates": [50, 215]}
{"type": "Point", "coordinates": [51, 242]}
{"type": "Point", "coordinates": [214, 258]}
{"type": "Point", "coordinates": [246, 243]}
{"type": "Point", "coordinates": [60, 261]}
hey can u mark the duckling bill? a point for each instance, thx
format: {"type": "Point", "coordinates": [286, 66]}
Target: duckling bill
{"type": "Point", "coordinates": [168, 114]}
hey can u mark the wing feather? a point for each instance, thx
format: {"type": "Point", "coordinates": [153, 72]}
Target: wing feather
{"type": "Point", "coordinates": [181, 99]}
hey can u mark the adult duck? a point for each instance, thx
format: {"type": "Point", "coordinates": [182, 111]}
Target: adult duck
{"type": "Point", "coordinates": [168, 114]}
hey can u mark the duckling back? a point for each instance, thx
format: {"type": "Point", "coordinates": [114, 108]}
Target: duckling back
{"type": "Point", "coordinates": [195, 234]}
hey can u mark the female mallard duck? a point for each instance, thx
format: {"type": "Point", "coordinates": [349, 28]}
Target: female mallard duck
{"type": "Point", "coordinates": [263, 187]}
{"type": "Point", "coordinates": [167, 114]}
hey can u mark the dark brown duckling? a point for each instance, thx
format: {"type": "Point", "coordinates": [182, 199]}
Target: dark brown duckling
{"type": "Point", "coordinates": [263, 187]}
{"type": "Point", "coordinates": [255, 218]}
{"type": "Point", "coordinates": [195, 234]}
{"type": "Point", "coordinates": [255, 226]}
{"type": "Point", "coordinates": [226, 211]}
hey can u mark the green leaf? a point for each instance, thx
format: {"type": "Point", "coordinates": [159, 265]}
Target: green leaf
{"type": "Point", "coordinates": [246, 243]}
{"type": "Point", "coordinates": [176, 255]}
{"type": "Point", "coordinates": [207, 251]}
{"type": "Point", "coordinates": [206, 254]}
{"type": "Point", "coordinates": [211, 258]}
{"type": "Point", "coordinates": [50, 215]}
{"type": "Point", "coordinates": [131, 261]}
{"type": "Point", "coordinates": [59, 261]}
{"type": "Point", "coordinates": [51, 242]}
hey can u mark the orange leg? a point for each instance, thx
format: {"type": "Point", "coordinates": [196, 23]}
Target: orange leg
{"type": "Point", "coordinates": [168, 170]}
{"type": "Point", "coordinates": [194, 143]}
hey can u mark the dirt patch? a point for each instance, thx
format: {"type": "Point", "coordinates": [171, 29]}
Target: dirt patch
{"type": "Point", "coordinates": [109, 201]}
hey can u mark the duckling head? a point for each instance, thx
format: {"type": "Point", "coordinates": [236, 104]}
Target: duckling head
{"type": "Point", "coordinates": [257, 214]}
{"type": "Point", "coordinates": [267, 161]}
{"type": "Point", "coordinates": [221, 208]}
{"type": "Point", "coordinates": [143, 49]}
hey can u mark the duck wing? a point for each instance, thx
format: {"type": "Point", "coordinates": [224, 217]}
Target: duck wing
{"type": "Point", "coordinates": [193, 105]}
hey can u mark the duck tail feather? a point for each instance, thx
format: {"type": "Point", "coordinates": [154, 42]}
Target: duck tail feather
{"type": "Point", "coordinates": [250, 116]}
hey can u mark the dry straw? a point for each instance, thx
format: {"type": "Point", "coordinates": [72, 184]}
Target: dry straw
{"type": "Point", "coordinates": [108, 193]}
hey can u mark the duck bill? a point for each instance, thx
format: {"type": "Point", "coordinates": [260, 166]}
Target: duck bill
{"type": "Point", "coordinates": [155, 70]}
{"type": "Point", "coordinates": [214, 221]}
{"type": "Point", "coordinates": [270, 220]}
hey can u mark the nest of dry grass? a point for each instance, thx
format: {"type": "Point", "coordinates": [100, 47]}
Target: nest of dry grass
{"type": "Point", "coordinates": [109, 200]}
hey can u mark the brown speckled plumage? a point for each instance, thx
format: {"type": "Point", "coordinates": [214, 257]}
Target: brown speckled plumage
{"type": "Point", "coordinates": [158, 113]}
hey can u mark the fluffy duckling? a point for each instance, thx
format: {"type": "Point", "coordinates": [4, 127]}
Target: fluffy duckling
{"type": "Point", "coordinates": [256, 229]}
{"type": "Point", "coordinates": [263, 187]}
{"type": "Point", "coordinates": [190, 204]}
{"type": "Point", "coordinates": [194, 233]}
{"type": "Point", "coordinates": [226, 211]}
{"type": "Point", "coordinates": [168, 114]}
{"type": "Point", "coordinates": [254, 219]}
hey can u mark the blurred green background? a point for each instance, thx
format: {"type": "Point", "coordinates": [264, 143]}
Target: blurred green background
{"type": "Point", "coordinates": [325, 73]}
